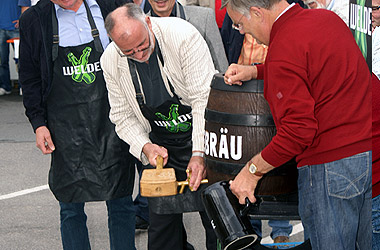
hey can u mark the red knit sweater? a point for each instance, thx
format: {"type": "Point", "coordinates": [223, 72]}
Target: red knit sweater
{"type": "Point", "coordinates": [318, 86]}
{"type": "Point", "coordinates": [375, 136]}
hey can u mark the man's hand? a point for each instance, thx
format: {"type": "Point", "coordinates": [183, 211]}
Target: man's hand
{"type": "Point", "coordinates": [236, 74]}
{"type": "Point", "coordinates": [152, 151]}
{"type": "Point", "coordinates": [44, 141]}
{"type": "Point", "coordinates": [16, 22]}
{"type": "Point", "coordinates": [197, 170]}
{"type": "Point", "coordinates": [245, 183]}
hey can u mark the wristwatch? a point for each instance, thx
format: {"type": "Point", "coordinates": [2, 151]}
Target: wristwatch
{"type": "Point", "coordinates": [253, 170]}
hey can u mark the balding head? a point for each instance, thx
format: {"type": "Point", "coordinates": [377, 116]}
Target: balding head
{"type": "Point", "coordinates": [131, 32]}
{"type": "Point", "coordinates": [123, 17]}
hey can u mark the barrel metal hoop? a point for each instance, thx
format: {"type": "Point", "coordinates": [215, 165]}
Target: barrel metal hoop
{"type": "Point", "coordinates": [265, 120]}
{"type": "Point", "coordinates": [223, 167]}
{"type": "Point", "coordinates": [252, 86]}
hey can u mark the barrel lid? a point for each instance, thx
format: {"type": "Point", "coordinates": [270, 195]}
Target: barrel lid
{"type": "Point", "coordinates": [252, 86]}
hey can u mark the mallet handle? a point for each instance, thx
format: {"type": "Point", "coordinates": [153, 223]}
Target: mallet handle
{"type": "Point", "coordinates": [159, 162]}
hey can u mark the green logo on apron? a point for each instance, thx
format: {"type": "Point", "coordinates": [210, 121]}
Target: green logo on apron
{"type": "Point", "coordinates": [80, 67]}
{"type": "Point", "coordinates": [175, 122]}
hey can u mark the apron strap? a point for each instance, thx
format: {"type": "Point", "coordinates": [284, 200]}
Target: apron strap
{"type": "Point", "coordinates": [135, 80]}
{"type": "Point", "coordinates": [158, 51]}
{"type": "Point", "coordinates": [55, 34]}
{"type": "Point", "coordinates": [94, 32]}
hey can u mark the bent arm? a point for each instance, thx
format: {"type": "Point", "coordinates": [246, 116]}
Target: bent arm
{"type": "Point", "coordinates": [124, 108]}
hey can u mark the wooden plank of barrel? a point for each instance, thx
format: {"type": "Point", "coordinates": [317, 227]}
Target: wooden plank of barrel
{"type": "Point", "coordinates": [239, 124]}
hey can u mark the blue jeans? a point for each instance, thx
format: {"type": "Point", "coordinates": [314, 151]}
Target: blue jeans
{"type": "Point", "coordinates": [335, 203]}
{"type": "Point", "coordinates": [376, 223]}
{"type": "Point", "coordinates": [5, 78]}
{"type": "Point", "coordinates": [121, 225]}
{"type": "Point", "coordinates": [279, 228]}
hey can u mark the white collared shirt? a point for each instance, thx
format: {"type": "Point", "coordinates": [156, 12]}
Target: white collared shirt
{"type": "Point", "coordinates": [74, 28]}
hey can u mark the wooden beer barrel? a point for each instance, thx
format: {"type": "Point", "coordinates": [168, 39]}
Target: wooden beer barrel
{"type": "Point", "coordinates": [239, 125]}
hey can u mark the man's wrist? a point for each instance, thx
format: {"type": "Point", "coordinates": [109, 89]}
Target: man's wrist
{"type": "Point", "coordinates": [254, 170]}
{"type": "Point", "coordinates": [254, 71]}
{"type": "Point", "coordinates": [198, 153]}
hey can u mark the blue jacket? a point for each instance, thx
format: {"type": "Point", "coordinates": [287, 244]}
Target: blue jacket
{"type": "Point", "coordinates": [232, 40]}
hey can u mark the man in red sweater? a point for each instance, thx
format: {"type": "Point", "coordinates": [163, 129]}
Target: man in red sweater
{"type": "Point", "coordinates": [317, 84]}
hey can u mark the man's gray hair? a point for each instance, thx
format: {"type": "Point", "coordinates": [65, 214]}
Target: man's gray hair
{"type": "Point", "coordinates": [132, 11]}
{"type": "Point", "coordinates": [243, 6]}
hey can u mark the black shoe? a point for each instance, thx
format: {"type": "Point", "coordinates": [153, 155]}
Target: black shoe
{"type": "Point", "coordinates": [141, 223]}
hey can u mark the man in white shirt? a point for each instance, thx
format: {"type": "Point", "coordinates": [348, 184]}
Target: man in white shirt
{"type": "Point", "coordinates": [158, 73]}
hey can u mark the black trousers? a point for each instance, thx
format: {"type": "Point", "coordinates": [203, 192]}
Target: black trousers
{"type": "Point", "coordinates": [166, 231]}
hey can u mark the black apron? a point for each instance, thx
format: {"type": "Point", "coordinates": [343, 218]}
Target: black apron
{"type": "Point", "coordinates": [171, 127]}
{"type": "Point", "coordinates": [90, 162]}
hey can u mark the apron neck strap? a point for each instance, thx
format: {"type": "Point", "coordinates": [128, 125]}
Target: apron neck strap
{"type": "Point", "coordinates": [55, 33]}
{"type": "Point", "coordinates": [94, 31]}
{"type": "Point", "coordinates": [135, 80]}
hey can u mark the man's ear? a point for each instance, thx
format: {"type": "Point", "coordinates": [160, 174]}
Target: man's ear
{"type": "Point", "coordinates": [147, 20]}
{"type": "Point", "coordinates": [256, 12]}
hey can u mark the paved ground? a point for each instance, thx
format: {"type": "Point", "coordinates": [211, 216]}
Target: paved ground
{"type": "Point", "coordinates": [29, 214]}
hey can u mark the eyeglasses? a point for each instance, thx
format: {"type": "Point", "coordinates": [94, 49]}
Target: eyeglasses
{"type": "Point", "coordinates": [132, 52]}
{"type": "Point", "coordinates": [375, 8]}
{"type": "Point", "coordinates": [238, 26]}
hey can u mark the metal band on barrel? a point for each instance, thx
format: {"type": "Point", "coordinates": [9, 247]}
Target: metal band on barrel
{"type": "Point", "coordinates": [239, 119]}
{"type": "Point", "coordinates": [223, 167]}
{"type": "Point", "coordinates": [252, 86]}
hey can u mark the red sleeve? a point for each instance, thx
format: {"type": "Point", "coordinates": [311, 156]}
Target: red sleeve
{"type": "Point", "coordinates": [260, 71]}
{"type": "Point", "coordinates": [292, 107]}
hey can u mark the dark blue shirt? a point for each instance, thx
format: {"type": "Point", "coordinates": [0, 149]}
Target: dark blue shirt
{"type": "Point", "coordinates": [151, 80]}
{"type": "Point", "coordinates": [9, 12]}
{"type": "Point", "coordinates": [24, 3]}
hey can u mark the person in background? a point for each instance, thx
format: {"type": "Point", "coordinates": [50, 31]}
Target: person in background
{"type": "Point", "coordinates": [26, 4]}
{"type": "Point", "coordinates": [203, 19]}
{"type": "Point", "coordinates": [158, 73]}
{"type": "Point", "coordinates": [144, 5]}
{"type": "Point", "coordinates": [66, 102]}
{"type": "Point", "coordinates": [203, 3]}
{"type": "Point", "coordinates": [9, 21]}
{"type": "Point", "coordinates": [327, 127]}
{"type": "Point", "coordinates": [340, 7]}
{"type": "Point", "coordinates": [213, 4]}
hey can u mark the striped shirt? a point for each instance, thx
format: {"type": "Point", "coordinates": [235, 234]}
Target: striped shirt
{"type": "Point", "coordinates": [252, 52]}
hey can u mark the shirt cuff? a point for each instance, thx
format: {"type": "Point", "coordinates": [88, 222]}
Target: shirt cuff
{"type": "Point", "coordinates": [260, 71]}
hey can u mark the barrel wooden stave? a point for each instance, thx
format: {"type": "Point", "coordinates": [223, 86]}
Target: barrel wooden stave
{"type": "Point", "coordinates": [254, 138]}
